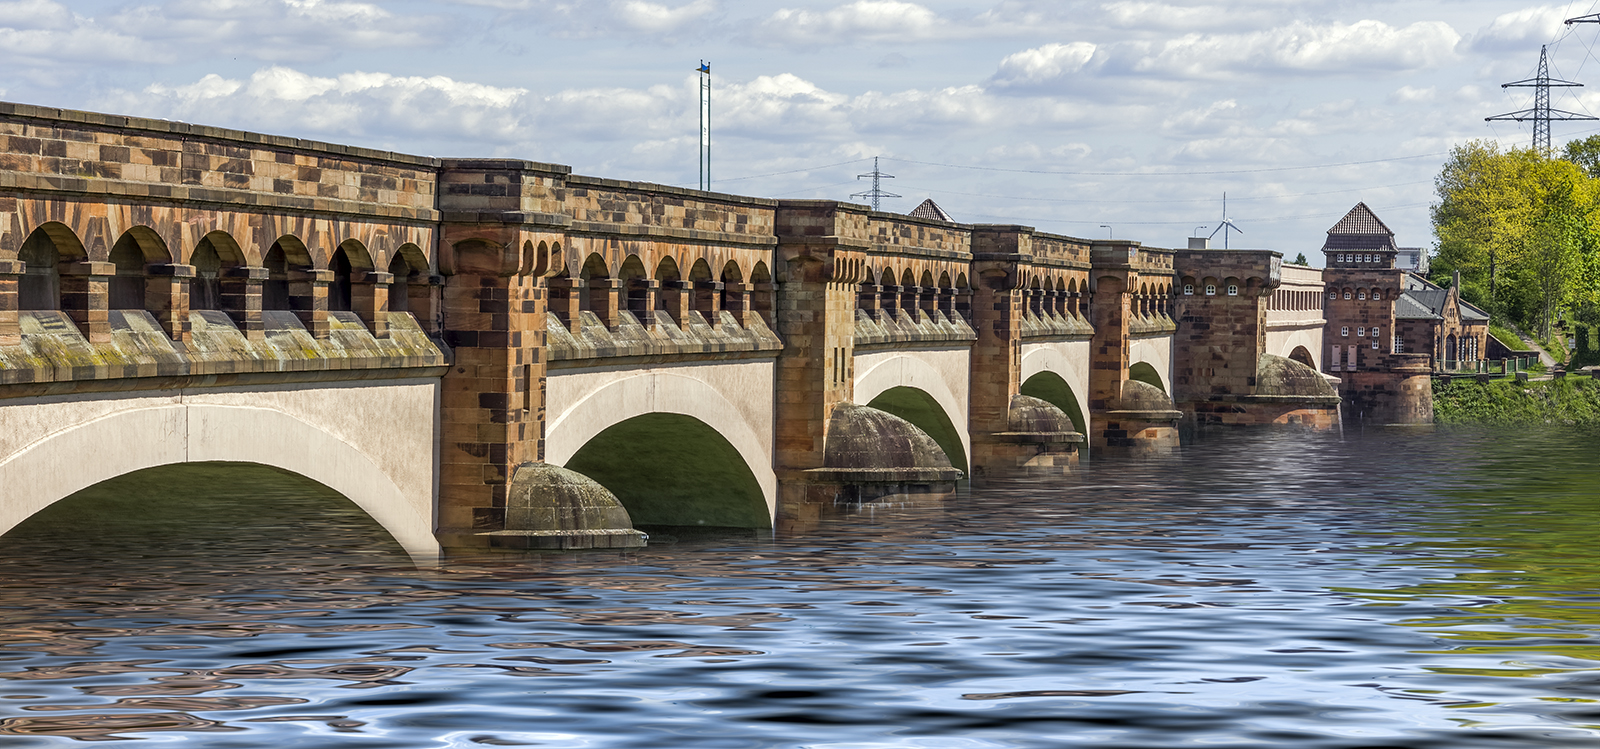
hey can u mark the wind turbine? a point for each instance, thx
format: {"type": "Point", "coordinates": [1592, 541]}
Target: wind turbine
{"type": "Point", "coordinates": [1227, 224]}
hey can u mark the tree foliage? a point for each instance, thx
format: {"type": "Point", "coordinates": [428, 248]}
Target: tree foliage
{"type": "Point", "coordinates": [1523, 229]}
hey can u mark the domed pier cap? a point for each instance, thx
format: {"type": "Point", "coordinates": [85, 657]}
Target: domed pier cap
{"type": "Point", "coordinates": [1282, 378]}
{"type": "Point", "coordinates": [550, 507]}
{"type": "Point", "coordinates": [865, 444]}
{"type": "Point", "coordinates": [1145, 402]}
{"type": "Point", "coordinates": [1036, 420]}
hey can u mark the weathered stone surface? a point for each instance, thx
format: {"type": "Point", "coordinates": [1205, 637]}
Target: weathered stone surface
{"type": "Point", "coordinates": [550, 507]}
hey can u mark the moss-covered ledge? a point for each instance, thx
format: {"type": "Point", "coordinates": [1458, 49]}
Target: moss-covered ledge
{"type": "Point", "coordinates": [630, 342]}
{"type": "Point", "coordinates": [55, 358]}
{"type": "Point", "coordinates": [886, 329]}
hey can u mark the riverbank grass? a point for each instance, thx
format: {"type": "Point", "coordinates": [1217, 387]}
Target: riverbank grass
{"type": "Point", "coordinates": [1571, 400]}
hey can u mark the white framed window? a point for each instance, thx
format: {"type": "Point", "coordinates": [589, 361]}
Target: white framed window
{"type": "Point", "coordinates": [1361, 332]}
{"type": "Point", "coordinates": [1233, 289]}
{"type": "Point", "coordinates": [1361, 295]}
{"type": "Point", "coordinates": [1399, 345]}
{"type": "Point", "coordinates": [1188, 289]}
{"type": "Point", "coordinates": [1347, 295]}
{"type": "Point", "coordinates": [1375, 332]}
{"type": "Point", "coordinates": [1374, 343]}
{"type": "Point", "coordinates": [1344, 332]}
{"type": "Point", "coordinates": [1211, 289]}
{"type": "Point", "coordinates": [1333, 295]}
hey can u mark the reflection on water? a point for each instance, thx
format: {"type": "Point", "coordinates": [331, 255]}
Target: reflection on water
{"type": "Point", "coordinates": [1384, 590]}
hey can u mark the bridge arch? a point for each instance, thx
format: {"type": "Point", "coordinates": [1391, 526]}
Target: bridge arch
{"type": "Point", "coordinates": [1043, 364]}
{"type": "Point", "coordinates": [1146, 373]}
{"type": "Point", "coordinates": [125, 441]}
{"type": "Point", "coordinates": [915, 389]}
{"type": "Point", "coordinates": [665, 419]}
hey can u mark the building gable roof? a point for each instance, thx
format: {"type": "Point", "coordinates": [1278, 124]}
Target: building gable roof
{"type": "Point", "coordinates": [1360, 229]}
{"type": "Point", "coordinates": [930, 209]}
{"type": "Point", "coordinates": [1408, 307]}
{"type": "Point", "coordinates": [1361, 220]}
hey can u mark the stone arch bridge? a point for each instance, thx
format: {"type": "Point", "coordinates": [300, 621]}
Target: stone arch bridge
{"type": "Point", "coordinates": [409, 331]}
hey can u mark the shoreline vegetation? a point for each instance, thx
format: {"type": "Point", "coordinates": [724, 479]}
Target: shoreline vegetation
{"type": "Point", "coordinates": [1567, 401]}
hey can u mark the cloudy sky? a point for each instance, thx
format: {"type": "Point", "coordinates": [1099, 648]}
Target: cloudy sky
{"type": "Point", "coordinates": [1121, 117]}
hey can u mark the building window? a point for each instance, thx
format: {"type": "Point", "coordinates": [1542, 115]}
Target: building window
{"type": "Point", "coordinates": [1233, 290]}
{"type": "Point", "coordinates": [1211, 289]}
{"type": "Point", "coordinates": [1399, 345]}
{"type": "Point", "coordinates": [1362, 295]}
{"type": "Point", "coordinates": [1362, 332]}
{"type": "Point", "coordinates": [1374, 344]}
{"type": "Point", "coordinates": [1344, 332]}
{"type": "Point", "coordinates": [1333, 295]}
{"type": "Point", "coordinates": [1375, 332]}
{"type": "Point", "coordinates": [1188, 289]}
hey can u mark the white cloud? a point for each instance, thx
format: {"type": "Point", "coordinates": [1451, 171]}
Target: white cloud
{"type": "Point", "coordinates": [45, 33]}
{"type": "Point", "coordinates": [282, 99]}
{"type": "Point", "coordinates": [276, 30]}
{"type": "Point", "coordinates": [1362, 46]}
{"type": "Point", "coordinates": [1519, 31]}
{"type": "Point", "coordinates": [1043, 64]}
{"type": "Point", "coordinates": [658, 18]}
{"type": "Point", "coordinates": [860, 21]}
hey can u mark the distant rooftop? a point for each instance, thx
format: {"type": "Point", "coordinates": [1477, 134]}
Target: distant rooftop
{"type": "Point", "coordinates": [930, 209]}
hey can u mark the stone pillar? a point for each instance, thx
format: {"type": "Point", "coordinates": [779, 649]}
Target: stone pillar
{"type": "Point", "coordinates": [240, 296]}
{"type": "Point", "coordinates": [369, 299]}
{"type": "Point", "coordinates": [643, 297]}
{"type": "Point", "coordinates": [889, 301]}
{"type": "Point", "coordinates": [10, 329]}
{"type": "Point", "coordinates": [308, 299]}
{"type": "Point", "coordinates": [815, 372]}
{"type": "Point", "coordinates": [761, 301]}
{"type": "Point", "coordinates": [867, 299]}
{"type": "Point", "coordinates": [423, 302]}
{"type": "Point", "coordinates": [166, 296]}
{"type": "Point", "coordinates": [708, 300]}
{"type": "Point", "coordinates": [567, 298]}
{"type": "Point", "coordinates": [675, 297]}
{"type": "Point", "coordinates": [736, 300]}
{"type": "Point", "coordinates": [85, 297]}
{"type": "Point", "coordinates": [493, 395]}
{"type": "Point", "coordinates": [963, 304]}
{"type": "Point", "coordinates": [604, 296]}
{"type": "Point", "coordinates": [928, 299]}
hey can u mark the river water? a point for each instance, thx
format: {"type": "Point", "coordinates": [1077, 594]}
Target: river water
{"type": "Point", "coordinates": [1392, 589]}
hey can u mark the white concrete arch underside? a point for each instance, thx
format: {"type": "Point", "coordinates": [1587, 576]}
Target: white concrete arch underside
{"type": "Point", "coordinates": [733, 398]}
{"type": "Point", "coordinates": [1283, 342]}
{"type": "Point", "coordinates": [1157, 352]}
{"type": "Point", "coordinates": [1068, 360]}
{"type": "Point", "coordinates": [362, 441]}
{"type": "Point", "coordinates": [943, 373]}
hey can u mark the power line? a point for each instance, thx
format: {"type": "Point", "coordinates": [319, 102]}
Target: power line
{"type": "Point", "coordinates": [1194, 200]}
{"type": "Point", "coordinates": [793, 171]}
{"type": "Point", "coordinates": [1169, 174]}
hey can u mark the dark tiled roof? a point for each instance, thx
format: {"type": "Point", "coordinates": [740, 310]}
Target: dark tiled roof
{"type": "Point", "coordinates": [1408, 308]}
{"type": "Point", "coordinates": [1469, 312]}
{"type": "Point", "coordinates": [1360, 242]}
{"type": "Point", "coordinates": [1361, 220]}
{"type": "Point", "coordinates": [1431, 299]}
{"type": "Point", "coordinates": [930, 209]}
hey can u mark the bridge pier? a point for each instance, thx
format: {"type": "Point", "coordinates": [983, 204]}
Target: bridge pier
{"type": "Point", "coordinates": [1126, 414]}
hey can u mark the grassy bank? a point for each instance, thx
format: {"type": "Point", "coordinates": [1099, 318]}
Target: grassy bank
{"type": "Point", "coordinates": [1574, 400]}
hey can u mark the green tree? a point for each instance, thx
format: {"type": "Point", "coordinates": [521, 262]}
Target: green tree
{"type": "Point", "coordinates": [1300, 259]}
{"type": "Point", "coordinates": [1585, 153]}
{"type": "Point", "coordinates": [1522, 230]}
